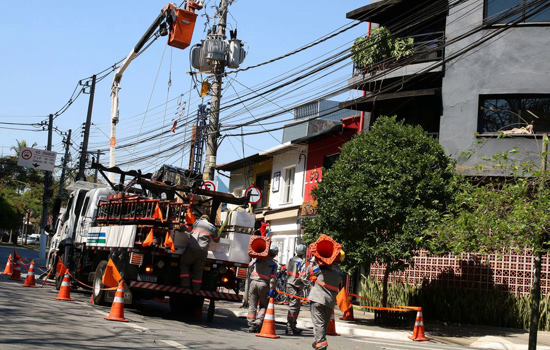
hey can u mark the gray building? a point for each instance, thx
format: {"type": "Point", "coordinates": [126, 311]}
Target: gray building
{"type": "Point", "coordinates": [478, 68]}
{"type": "Point", "coordinates": [321, 115]}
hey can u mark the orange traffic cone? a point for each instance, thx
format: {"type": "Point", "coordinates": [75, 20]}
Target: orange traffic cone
{"type": "Point", "coordinates": [348, 315]}
{"type": "Point", "coordinates": [9, 266]}
{"type": "Point", "coordinates": [29, 281]}
{"type": "Point", "coordinates": [65, 290]}
{"type": "Point", "coordinates": [418, 331]}
{"type": "Point", "coordinates": [117, 309]}
{"type": "Point", "coordinates": [16, 275]}
{"type": "Point", "coordinates": [268, 327]}
{"type": "Point", "coordinates": [331, 330]}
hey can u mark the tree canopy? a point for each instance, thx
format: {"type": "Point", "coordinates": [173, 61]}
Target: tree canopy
{"type": "Point", "coordinates": [386, 188]}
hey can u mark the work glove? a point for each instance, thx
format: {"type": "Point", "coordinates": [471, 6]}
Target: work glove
{"type": "Point", "coordinates": [273, 293]}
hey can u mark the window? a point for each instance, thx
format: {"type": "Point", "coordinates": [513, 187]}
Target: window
{"type": "Point", "coordinates": [508, 11]}
{"type": "Point", "coordinates": [289, 184]}
{"type": "Point", "coordinates": [328, 161]}
{"type": "Point", "coordinates": [506, 112]}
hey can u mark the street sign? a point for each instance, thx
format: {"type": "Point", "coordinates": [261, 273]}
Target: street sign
{"type": "Point", "coordinates": [208, 185]}
{"type": "Point", "coordinates": [255, 194]}
{"type": "Point", "coordinates": [37, 159]}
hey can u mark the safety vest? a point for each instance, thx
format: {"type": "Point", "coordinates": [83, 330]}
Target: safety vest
{"type": "Point", "coordinates": [294, 271]}
{"type": "Point", "coordinates": [327, 284]}
{"type": "Point", "coordinates": [202, 233]}
{"type": "Point", "coordinates": [263, 269]}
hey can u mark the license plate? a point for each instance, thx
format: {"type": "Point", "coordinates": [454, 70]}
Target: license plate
{"type": "Point", "coordinates": [146, 278]}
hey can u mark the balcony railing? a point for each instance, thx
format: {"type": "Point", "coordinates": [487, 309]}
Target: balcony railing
{"type": "Point", "coordinates": [426, 47]}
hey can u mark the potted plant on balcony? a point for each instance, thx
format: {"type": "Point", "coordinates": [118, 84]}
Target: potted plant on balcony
{"type": "Point", "coordinates": [377, 51]}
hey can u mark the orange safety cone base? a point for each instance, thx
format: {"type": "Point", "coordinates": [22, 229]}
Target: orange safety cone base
{"type": "Point", "coordinates": [120, 319]}
{"type": "Point", "coordinates": [268, 326]}
{"type": "Point", "coordinates": [65, 290]}
{"type": "Point", "coordinates": [16, 275]}
{"type": "Point", "coordinates": [29, 281]}
{"type": "Point", "coordinates": [117, 309]}
{"type": "Point", "coordinates": [9, 266]}
{"type": "Point", "coordinates": [418, 331]}
{"type": "Point", "coordinates": [331, 330]}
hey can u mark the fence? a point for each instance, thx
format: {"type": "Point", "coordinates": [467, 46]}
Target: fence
{"type": "Point", "coordinates": [512, 271]}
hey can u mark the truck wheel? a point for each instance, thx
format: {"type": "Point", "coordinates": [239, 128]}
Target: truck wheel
{"type": "Point", "coordinates": [211, 309]}
{"type": "Point", "coordinates": [98, 295]}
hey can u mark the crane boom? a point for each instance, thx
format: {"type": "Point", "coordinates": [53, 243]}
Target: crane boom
{"type": "Point", "coordinates": [181, 23]}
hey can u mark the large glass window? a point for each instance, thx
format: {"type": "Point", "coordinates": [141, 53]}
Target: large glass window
{"type": "Point", "coordinates": [508, 11]}
{"type": "Point", "coordinates": [507, 112]}
{"type": "Point", "coordinates": [289, 185]}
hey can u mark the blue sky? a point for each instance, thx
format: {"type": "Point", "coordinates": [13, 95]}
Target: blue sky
{"type": "Point", "coordinates": [50, 45]}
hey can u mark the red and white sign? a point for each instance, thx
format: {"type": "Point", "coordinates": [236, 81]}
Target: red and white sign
{"type": "Point", "coordinates": [38, 159]}
{"type": "Point", "coordinates": [255, 194]}
{"type": "Point", "coordinates": [208, 185]}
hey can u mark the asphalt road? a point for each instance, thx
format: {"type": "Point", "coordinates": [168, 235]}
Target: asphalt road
{"type": "Point", "coordinates": [32, 319]}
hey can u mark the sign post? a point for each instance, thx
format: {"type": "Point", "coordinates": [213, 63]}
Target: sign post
{"type": "Point", "coordinates": [255, 194]}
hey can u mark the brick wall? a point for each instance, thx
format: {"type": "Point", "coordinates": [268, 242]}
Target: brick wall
{"type": "Point", "coordinates": [512, 271]}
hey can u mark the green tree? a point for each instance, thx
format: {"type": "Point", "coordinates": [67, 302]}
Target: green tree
{"type": "Point", "coordinates": [20, 145]}
{"type": "Point", "coordinates": [504, 214]}
{"type": "Point", "coordinates": [387, 186]}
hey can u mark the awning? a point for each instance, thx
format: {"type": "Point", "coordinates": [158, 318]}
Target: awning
{"type": "Point", "coordinates": [282, 214]}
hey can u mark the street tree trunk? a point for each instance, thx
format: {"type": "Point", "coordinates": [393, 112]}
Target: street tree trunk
{"type": "Point", "coordinates": [535, 302]}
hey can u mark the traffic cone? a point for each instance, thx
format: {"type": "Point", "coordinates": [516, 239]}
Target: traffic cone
{"type": "Point", "coordinates": [418, 331]}
{"type": "Point", "coordinates": [16, 274]}
{"type": "Point", "coordinates": [331, 330]}
{"type": "Point", "coordinates": [9, 266]}
{"type": "Point", "coordinates": [348, 315]}
{"type": "Point", "coordinates": [268, 327]}
{"type": "Point", "coordinates": [117, 309]}
{"type": "Point", "coordinates": [65, 290]}
{"type": "Point", "coordinates": [29, 281]}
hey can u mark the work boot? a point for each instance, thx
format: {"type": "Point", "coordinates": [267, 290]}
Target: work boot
{"type": "Point", "coordinates": [292, 329]}
{"type": "Point", "coordinates": [253, 329]}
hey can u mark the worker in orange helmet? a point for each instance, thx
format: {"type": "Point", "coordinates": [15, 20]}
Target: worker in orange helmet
{"type": "Point", "coordinates": [263, 274]}
{"type": "Point", "coordinates": [326, 282]}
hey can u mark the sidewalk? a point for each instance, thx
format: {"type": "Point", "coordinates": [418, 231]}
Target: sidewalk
{"type": "Point", "coordinates": [481, 337]}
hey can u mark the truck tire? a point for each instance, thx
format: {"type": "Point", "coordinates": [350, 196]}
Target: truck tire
{"type": "Point", "coordinates": [211, 309]}
{"type": "Point", "coordinates": [98, 295]}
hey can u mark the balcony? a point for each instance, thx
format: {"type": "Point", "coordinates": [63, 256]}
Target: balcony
{"type": "Point", "coordinates": [423, 57]}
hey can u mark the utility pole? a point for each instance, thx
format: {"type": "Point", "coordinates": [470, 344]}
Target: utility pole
{"type": "Point", "coordinates": [97, 161]}
{"type": "Point", "coordinates": [213, 126]}
{"type": "Point", "coordinates": [58, 200]}
{"type": "Point", "coordinates": [84, 150]}
{"type": "Point", "coordinates": [46, 195]}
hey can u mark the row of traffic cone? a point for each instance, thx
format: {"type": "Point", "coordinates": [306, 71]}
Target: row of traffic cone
{"type": "Point", "coordinates": [14, 269]}
{"type": "Point", "coordinates": [268, 326]}
{"type": "Point", "coordinates": [117, 309]}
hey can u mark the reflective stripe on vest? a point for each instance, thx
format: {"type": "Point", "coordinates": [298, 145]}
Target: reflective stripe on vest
{"type": "Point", "coordinates": [328, 286]}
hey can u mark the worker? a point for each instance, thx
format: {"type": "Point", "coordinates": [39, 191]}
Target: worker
{"type": "Point", "coordinates": [263, 274]}
{"type": "Point", "coordinates": [195, 254]}
{"type": "Point", "coordinates": [326, 282]}
{"type": "Point", "coordinates": [295, 286]}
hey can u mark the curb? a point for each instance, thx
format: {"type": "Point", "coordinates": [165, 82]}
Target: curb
{"type": "Point", "coordinates": [341, 327]}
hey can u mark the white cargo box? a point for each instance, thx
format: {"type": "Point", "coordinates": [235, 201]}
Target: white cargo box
{"type": "Point", "coordinates": [239, 218]}
{"type": "Point", "coordinates": [233, 248]}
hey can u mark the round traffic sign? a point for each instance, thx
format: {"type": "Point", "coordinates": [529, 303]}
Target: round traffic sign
{"type": "Point", "coordinates": [26, 154]}
{"type": "Point", "coordinates": [255, 194]}
{"type": "Point", "coordinates": [208, 185]}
